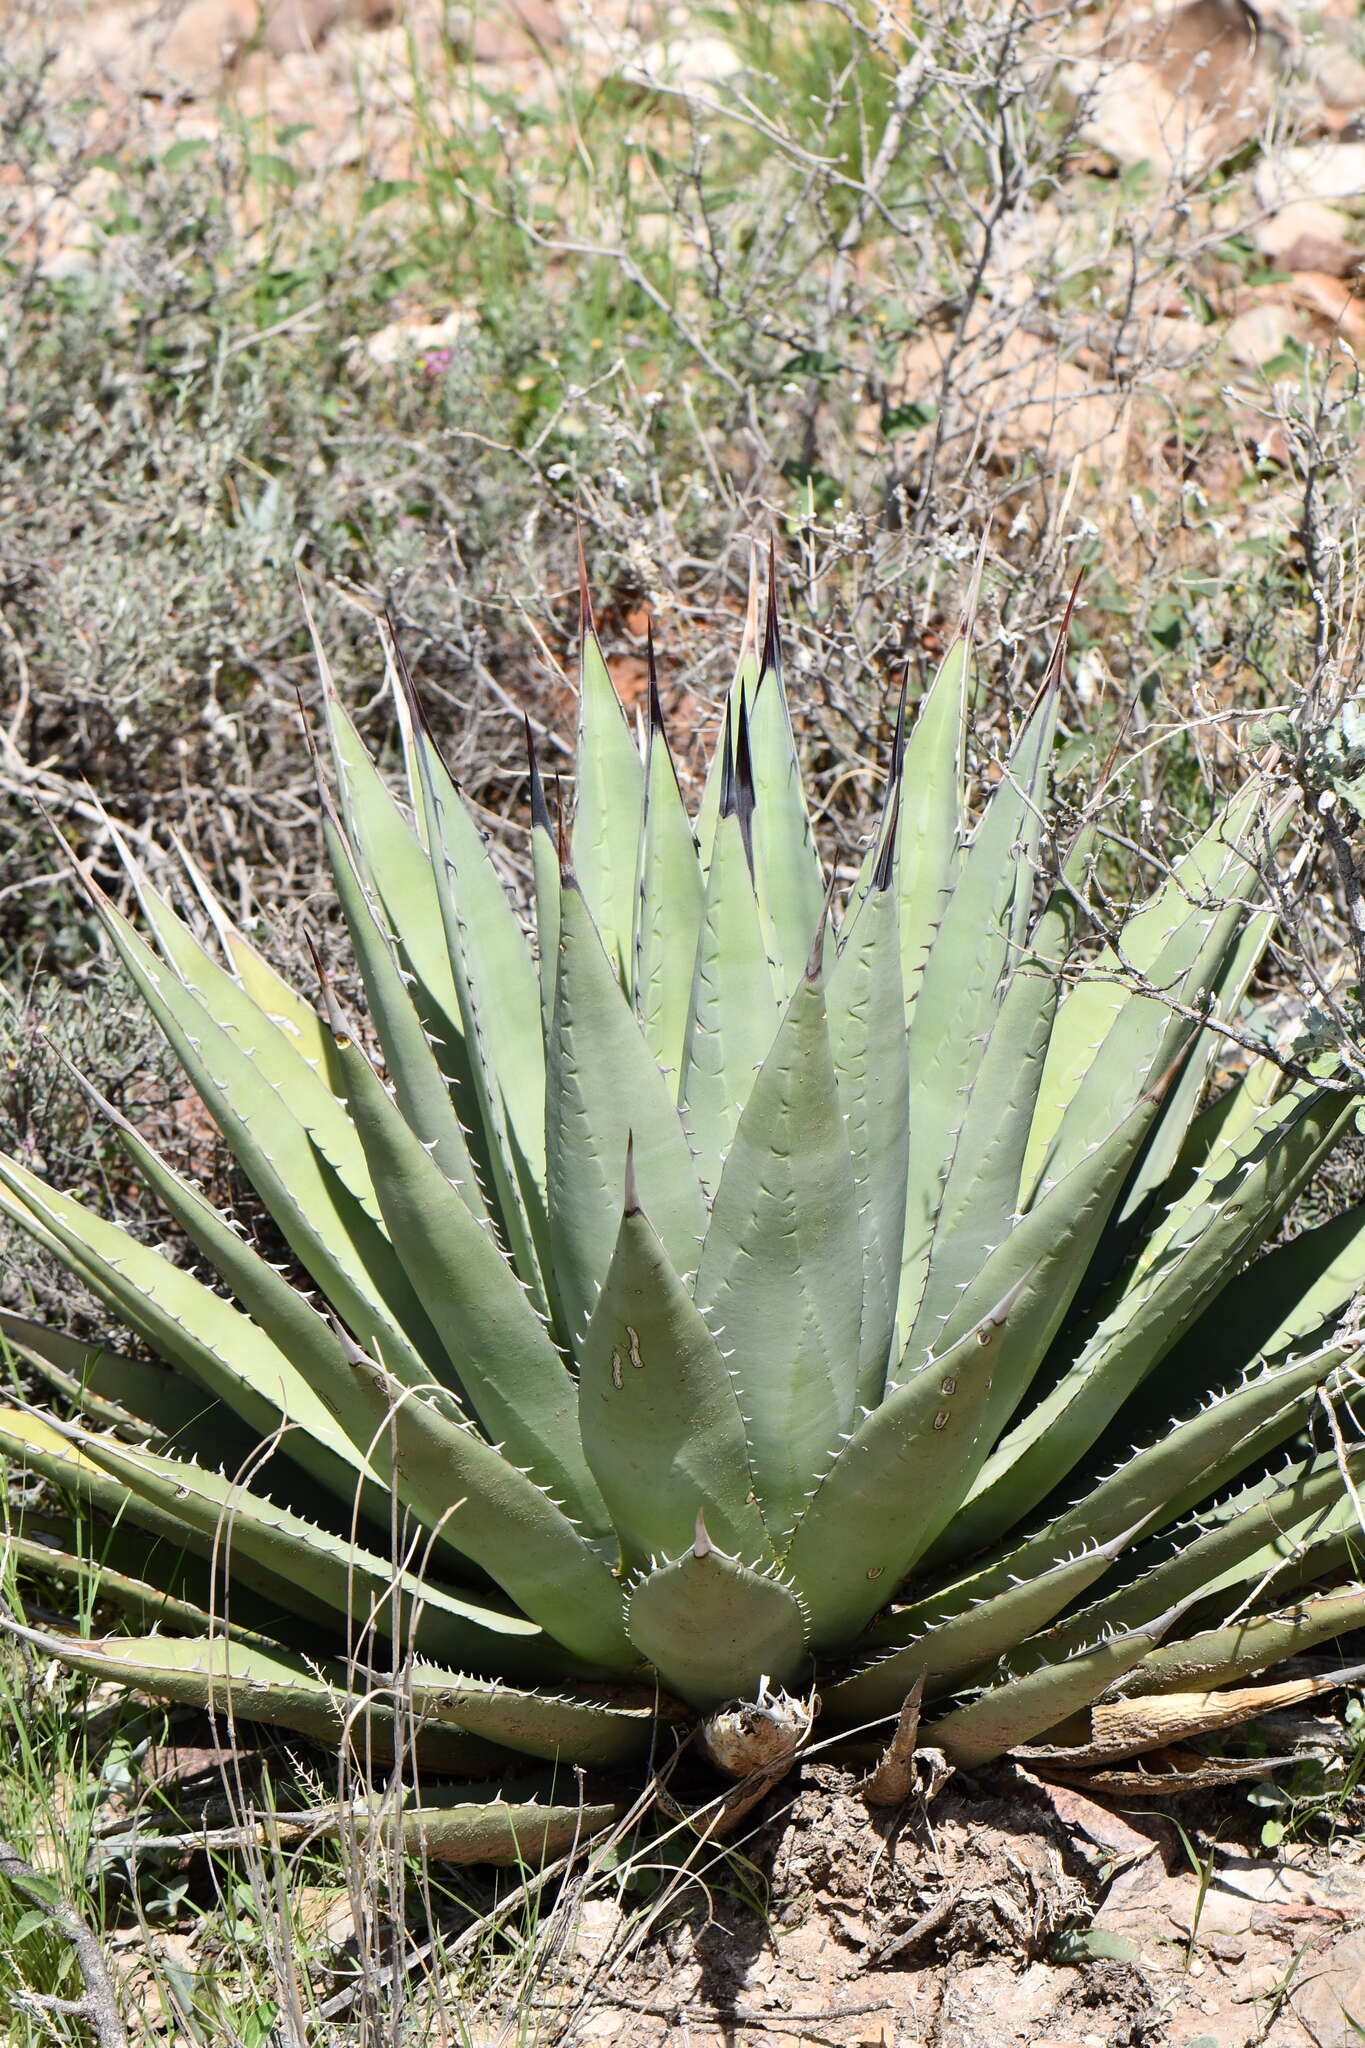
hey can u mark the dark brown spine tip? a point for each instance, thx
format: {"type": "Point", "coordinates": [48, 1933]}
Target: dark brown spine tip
{"type": "Point", "coordinates": [746, 793]}
{"type": "Point", "coordinates": [400, 662]}
{"type": "Point", "coordinates": [421, 724]}
{"type": "Point", "coordinates": [1165, 1081]}
{"type": "Point", "coordinates": [540, 810]}
{"type": "Point", "coordinates": [1052, 680]}
{"type": "Point", "coordinates": [336, 1023]}
{"type": "Point", "coordinates": [562, 832]}
{"type": "Point", "coordinates": [886, 860]}
{"type": "Point", "coordinates": [702, 1546]}
{"type": "Point", "coordinates": [319, 780]}
{"type": "Point", "coordinates": [332, 816]}
{"type": "Point", "coordinates": [586, 622]}
{"type": "Point", "coordinates": [632, 1194]}
{"type": "Point", "coordinates": [898, 735]}
{"type": "Point", "coordinates": [815, 959]}
{"type": "Point", "coordinates": [1120, 741]}
{"type": "Point", "coordinates": [772, 639]}
{"type": "Point", "coordinates": [728, 803]}
{"type": "Point", "coordinates": [656, 709]}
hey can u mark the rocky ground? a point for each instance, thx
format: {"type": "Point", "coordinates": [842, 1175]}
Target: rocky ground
{"type": "Point", "coordinates": [1176, 93]}
{"type": "Point", "coordinates": [1006, 1911]}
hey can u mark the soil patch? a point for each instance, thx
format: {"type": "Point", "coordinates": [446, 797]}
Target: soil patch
{"type": "Point", "coordinates": [998, 1911]}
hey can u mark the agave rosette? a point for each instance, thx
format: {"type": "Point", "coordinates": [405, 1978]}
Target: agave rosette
{"type": "Point", "coordinates": [700, 1296]}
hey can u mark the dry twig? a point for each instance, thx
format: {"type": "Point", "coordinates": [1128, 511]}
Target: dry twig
{"type": "Point", "coordinates": [100, 2003]}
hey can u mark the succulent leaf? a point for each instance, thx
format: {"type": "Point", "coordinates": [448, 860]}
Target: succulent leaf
{"type": "Point", "coordinates": [496, 987]}
{"type": "Point", "coordinates": [932, 809]}
{"type": "Point", "coordinates": [230, 1677]}
{"type": "Point", "coordinates": [1221, 1655]}
{"type": "Point", "coordinates": [660, 1410]}
{"type": "Point", "coordinates": [337, 1239]}
{"type": "Point", "coordinates": [1005, 1716]}
{"type": "Point", "coordinates": [462, 1487]}
{"type": "Point", "coordinates": [980, 937]}
{"type": "Point", "coordinates": [1232, 1205]}
{"type": "Point", "coordinates": [1196, 911]}
{"type": "Point", "coordinates": [790, 888]}
{"type": "Point", "coordinates": [398, 874]}
{"type": "Point", "coordinates": [604, 1094]}
{"type": "Point", "coordinates": [732, 1014]}
{"type": "Point", "coordinates": [343, 1579]}
{"type": "Point", "coordinates": [421, 1087]}
{"type": "Point", "coordinates": [502, 1362]}
{"type": "Point", "coordinates": [866, 1005]}
{"type": "Point", "coordinates": [670, 901]}
{"type": "Point", "coordinates": [870, 1514]}
{"type": "Point", "coordinates": [706, 1621]}
{"type": "Point", "coordinates": [144, 1399]}
{"type": "Point", "coordinates": [608, 808]}
{"type": "Point", "coordinates": [780, 1279]}
{"type": "Point", "coordinates": [219, 1347]}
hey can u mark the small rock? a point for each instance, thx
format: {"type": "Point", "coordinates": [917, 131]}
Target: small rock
{"type": "Point", "coordinates": [1333, 1986]}
{"type": "Point", "coordinates": [1222, 1913]}
{"type": "Point", "coordinates": [1262, 1980]}
{"type": "Point", "coordinates": [208, 38]}
{"type": "Point", "coordinates": [1312, 170]}
{"type": "Point", "coordinates": [407, 340]}
{"type": "Point", "coordinates": [292, 25]}
{"type": "Point", "coordinates": [1333, 301]}
{"type": "Point", "coordinates": [326, 1914]}
{"type": "Point", "coordinates": [1307, 235]}
{"type": "Point", "coordinates": [203, 44]}
{"type": "Point", "coordinates": [510, 35]}
{"type": "Point", "coordinates": [1177, 91]}
{"type": "Point", "coordinates": [688, 64]}
{"type": "Point", "coordinates": [1337, 75]}
{"type": "Point", "coordinates": [1229, 1948]}
{"type": "Point", "coordinates": [1258, 335]}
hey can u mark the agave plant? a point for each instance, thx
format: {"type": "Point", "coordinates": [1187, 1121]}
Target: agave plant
{"type": "Point", "coordinates": [700, 1304]}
